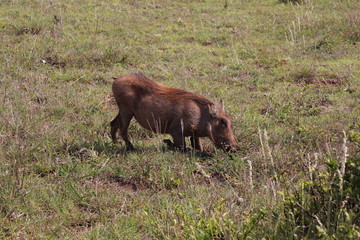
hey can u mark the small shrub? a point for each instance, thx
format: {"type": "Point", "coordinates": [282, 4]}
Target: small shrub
{"type": "Point", "coordinates": [326, 205]}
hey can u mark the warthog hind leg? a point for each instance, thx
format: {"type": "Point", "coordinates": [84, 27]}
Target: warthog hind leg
{"type": "Point", "coordinates": [169, 143]}
{"type": "Point", "coordinates": [115, 125]}
{"type": "Point", "coordinates": [122, 121]}
{"type": "Point", "coordinates": [125, 121]}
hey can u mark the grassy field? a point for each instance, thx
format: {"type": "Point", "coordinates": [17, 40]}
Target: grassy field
{"type": "Point", "coordinates": [288, 71]}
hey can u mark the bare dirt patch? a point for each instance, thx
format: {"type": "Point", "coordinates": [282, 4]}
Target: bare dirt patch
{"type": "Point", "coordinates": [311, 77]}
{"type": "Point", "coordinates": [111, 182]}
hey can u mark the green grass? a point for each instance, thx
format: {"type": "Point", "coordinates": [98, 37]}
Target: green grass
{"type": "Point", "coordinates": [288, 72]}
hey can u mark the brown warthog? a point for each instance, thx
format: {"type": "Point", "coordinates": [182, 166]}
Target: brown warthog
{"type": "Point", "coordinates": [162, 109]}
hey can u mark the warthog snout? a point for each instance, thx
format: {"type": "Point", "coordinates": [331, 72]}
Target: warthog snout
{"type": "Point", "coordinates": [227, 146]}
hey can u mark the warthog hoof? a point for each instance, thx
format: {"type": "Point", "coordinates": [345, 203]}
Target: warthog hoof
{"type": "Point", "coordinates": [169, 143]}
{"type": "Point", "coordinates": [130, 148]}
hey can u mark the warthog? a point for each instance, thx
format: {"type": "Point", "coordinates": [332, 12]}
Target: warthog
{"type": "Point", "coordinates": [166, 110]}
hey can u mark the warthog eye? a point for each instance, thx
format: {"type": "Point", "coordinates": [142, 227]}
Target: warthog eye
{"type": "Point", "coordinates": [223, 122]}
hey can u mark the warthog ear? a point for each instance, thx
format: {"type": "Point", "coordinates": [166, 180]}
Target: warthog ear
{"type": "Point", "coordinates": [213, 109]}
{"type": "Point", "coordinates": [222, 105]}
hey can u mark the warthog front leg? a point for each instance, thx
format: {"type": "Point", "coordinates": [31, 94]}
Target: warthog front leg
{"type": "Point", "coordinates": [179, 142]}
{"type": "Point", "coordinates": [196, 144]}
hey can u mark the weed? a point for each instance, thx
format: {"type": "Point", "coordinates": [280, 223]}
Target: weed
{"type": "Point", "coordinates": [292, 1]}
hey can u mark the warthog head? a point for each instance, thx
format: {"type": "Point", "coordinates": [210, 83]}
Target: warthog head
{"type": "Point", "coordinates": [220, 127]}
